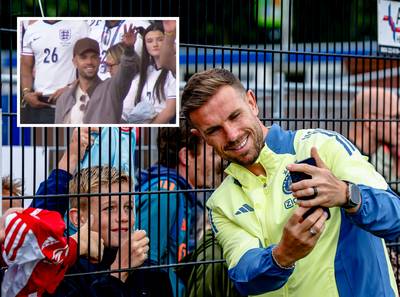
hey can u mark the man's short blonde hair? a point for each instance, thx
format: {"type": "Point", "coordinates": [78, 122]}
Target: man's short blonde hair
{"type": "Point", "coordinates": [90, 180]}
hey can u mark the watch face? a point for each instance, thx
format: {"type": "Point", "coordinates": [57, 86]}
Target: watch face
{"type": "Point", "coordinates": [355, 195]}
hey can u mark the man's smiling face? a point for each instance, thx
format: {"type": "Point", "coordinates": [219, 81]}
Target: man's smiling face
{"type": "Point", "coordinates": [228, 122]}
{"type": "Point", "coordinates": [87, 64]}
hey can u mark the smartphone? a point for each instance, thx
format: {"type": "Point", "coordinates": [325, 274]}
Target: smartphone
{"type": "Point", "coordinates": [299, 176]}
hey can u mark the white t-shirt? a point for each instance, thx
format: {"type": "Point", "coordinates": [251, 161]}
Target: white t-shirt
{"type": "Point", "coordinates": [52, 47]}
{"type": "Point", "coordinates": [107, 37]}
{"type": "Point", "coordinates": [147, 94]}
{"type": "Point", "coordinates": [76, 114]}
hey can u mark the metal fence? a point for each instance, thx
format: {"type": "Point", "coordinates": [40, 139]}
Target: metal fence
{"type": "Point", "coordinates": [306, 61]}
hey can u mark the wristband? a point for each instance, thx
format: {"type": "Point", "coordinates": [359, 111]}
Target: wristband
{"type": "Point", "coordinates": [279, 265]}
{"type": "Point", "coordinates": [172, 33]}
{"type": "Point", "coordinates": [24, 95]}
{"type": "Point", "coordinates": [26, 90]}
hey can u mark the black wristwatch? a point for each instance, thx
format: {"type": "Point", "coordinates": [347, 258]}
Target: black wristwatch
{"type": "Point", "coordinates": [353, 196]}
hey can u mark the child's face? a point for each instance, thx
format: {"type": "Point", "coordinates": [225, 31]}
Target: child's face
{"type": "Point", "coordinates": [113, 216]}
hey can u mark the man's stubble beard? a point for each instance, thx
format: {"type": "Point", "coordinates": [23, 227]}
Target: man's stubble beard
{"type": "Point", "coordinates": [83, 75]}
{"type": "Point", "coordinates": [258, 145]}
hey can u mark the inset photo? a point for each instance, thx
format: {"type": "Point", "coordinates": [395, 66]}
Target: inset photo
{"type": "Point", "coordinates": [97, 71]}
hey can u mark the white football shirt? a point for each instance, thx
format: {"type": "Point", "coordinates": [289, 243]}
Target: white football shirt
{"type": "Point", "coordinates": [147, 94]}
{"type": "Point", "coordinates": [108, 36]}
{"type": "Point", "coordinates": [52, 47]}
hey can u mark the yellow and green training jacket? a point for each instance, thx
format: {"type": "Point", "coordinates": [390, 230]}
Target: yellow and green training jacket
{"type": "Point", "coordinates": [248, 214]}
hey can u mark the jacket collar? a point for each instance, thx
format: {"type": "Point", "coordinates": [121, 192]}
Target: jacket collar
{"type": "Point", "coordinates": [71, 100]}
{"type": "Point", "coordinates": [267, 158]}
{"type": "Point", "coordinates": [94, 85]}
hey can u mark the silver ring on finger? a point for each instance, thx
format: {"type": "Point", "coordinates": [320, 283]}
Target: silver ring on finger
{"type": "Point", "coordinates": [312, 231]}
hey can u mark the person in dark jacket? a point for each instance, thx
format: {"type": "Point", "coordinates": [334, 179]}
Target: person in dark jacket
{"type": "Point", "coordinates": [170, 217]}
{"type": "Point", "coordinates": [138, 283]}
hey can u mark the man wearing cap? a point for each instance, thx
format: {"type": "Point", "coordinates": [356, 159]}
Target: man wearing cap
{"type": "Point", "coordinates": [93, 101]}
{"type": "Point", "coordinates": [46, 67]}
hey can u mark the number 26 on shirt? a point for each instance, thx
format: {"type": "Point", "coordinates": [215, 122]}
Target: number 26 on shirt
{"type": "Point", "coordinates": [50, 55]}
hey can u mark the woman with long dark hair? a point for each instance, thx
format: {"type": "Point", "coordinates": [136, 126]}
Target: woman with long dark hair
{"type": "Point", "coordinates": [155, 97]}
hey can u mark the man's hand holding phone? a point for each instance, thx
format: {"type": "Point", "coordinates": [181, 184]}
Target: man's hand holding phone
{"type": "Point", "coordinates": [325, 188]}
{"type": "Point", "coordinates": [298, 176]}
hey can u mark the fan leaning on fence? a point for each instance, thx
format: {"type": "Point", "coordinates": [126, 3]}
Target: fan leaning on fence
{"type": "Point", "coordinates": [35, 253]}
{"type": "Point", "coordinates": [114, 231]}
{"type": "Point", "coordinates": [270, 248]}
{"type": "Point", "coordinates": [113, 219]}
{"type": "Point", "coordinates": [123, 248]}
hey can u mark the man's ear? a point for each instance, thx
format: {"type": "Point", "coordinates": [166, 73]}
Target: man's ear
{"type": "Point", "coordinates": [183, 156]}
{"type": "Point", "coordinates": [73, 217]}
{"type": "Point", "coordinates": [252, 101]}
{"type": "Point", "coordinates": [195, 132]}
{"type": "Point", "coordinates": [74, 61]}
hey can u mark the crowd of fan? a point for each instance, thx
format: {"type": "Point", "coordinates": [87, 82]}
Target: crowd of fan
{"type": "Point", "coordinates": [164, 224]}
{"type": "Point", "coordinates": [169, 208]}
{"type": "Point", "coordinates": [98, 72]}
{"type": "Point", "coordinates": [165, 227]}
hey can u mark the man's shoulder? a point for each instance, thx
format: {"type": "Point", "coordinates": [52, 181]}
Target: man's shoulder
{"type": "Point", "coordinates": [282, 141]}
{"type": "Point", "coordinates": [39, 25]}
{"type": "Point", "coordinates": [316, 133]}
{"type": "Point", "coordinates": [33, 32]}
{"type": "Point", "coordinates": [66, 95]}
{"type": "Point", "coordinates": [299, 142]}
{"type": "Point", "coordinates": [63, 102]}
{"type": "Point", "coordinates": [323, 140]}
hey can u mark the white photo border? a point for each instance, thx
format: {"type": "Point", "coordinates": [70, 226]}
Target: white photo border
{"type": "Point", "coordinates": [19, 43]}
